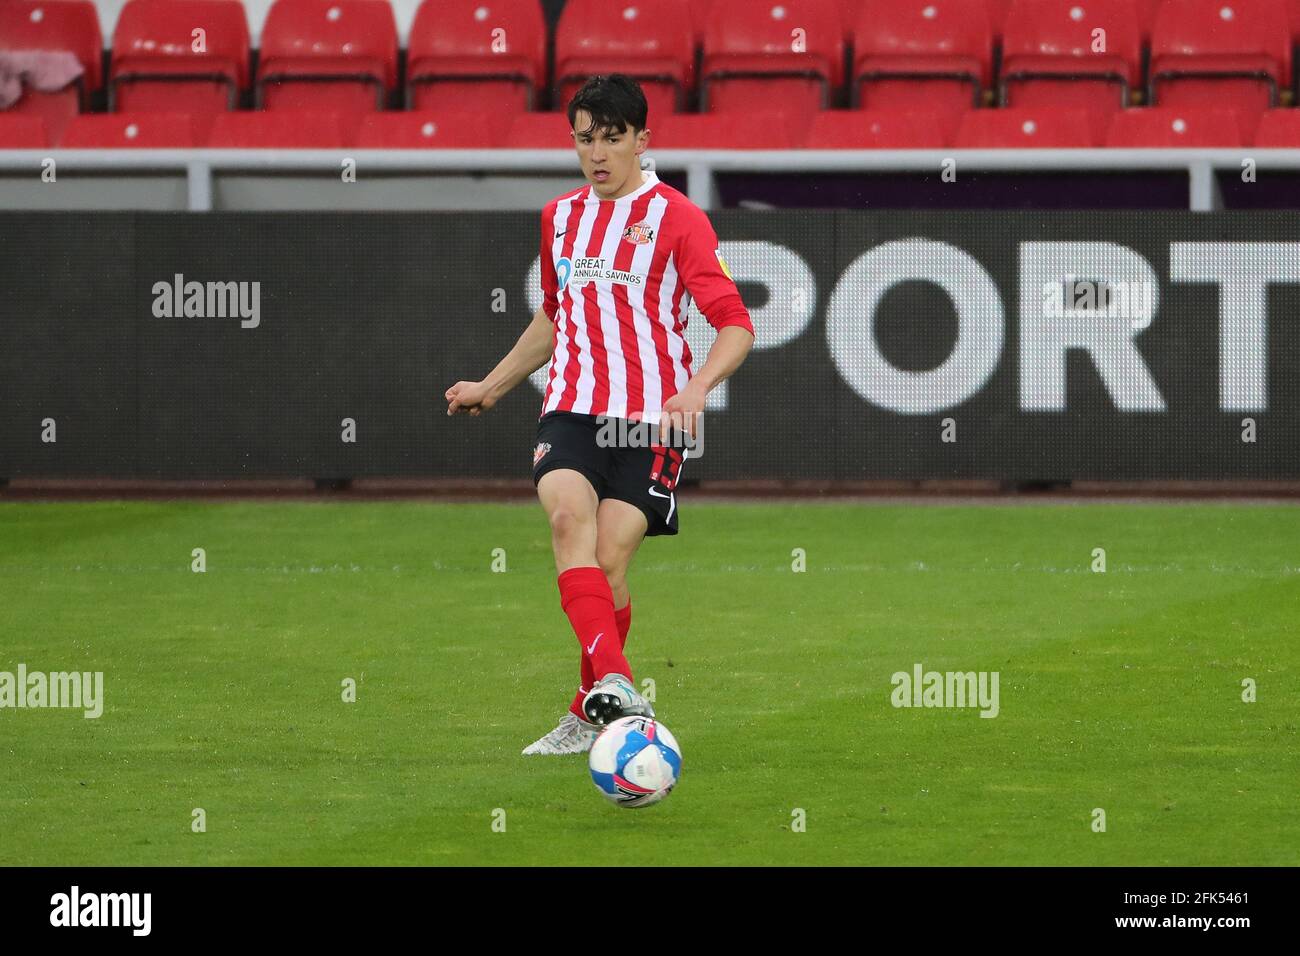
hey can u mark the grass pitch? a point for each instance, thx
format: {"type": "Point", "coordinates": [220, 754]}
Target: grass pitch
{"type": "Point", "coordinates": [223, 690]}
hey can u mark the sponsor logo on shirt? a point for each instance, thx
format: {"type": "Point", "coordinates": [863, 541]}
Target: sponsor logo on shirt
{"type": "Point", "coordinates": [597, 269]}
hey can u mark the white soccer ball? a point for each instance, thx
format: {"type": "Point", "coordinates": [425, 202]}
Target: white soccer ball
{"type": "Point", "coordinates": [635, 762]}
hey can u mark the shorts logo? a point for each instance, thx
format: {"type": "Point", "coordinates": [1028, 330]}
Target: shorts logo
{"type": "Point", "coordinates": [540, 452]}
{"type": "Point", "coordinates": [640, 233]}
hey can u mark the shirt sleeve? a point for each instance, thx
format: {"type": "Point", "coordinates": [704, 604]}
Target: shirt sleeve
{"type": "Point", "coordinates": [705, 275]}
{"type": "Point", "coordinates": [550, 282]}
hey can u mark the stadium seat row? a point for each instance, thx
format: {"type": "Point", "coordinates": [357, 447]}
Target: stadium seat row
{"type": "Point", "coordinates": [829, 129]}
{"type": "Point", "coordinates": [934, 56]}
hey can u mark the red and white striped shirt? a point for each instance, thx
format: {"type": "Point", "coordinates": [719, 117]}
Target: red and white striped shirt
{"type": "Point", "coordinates": [617, 278]}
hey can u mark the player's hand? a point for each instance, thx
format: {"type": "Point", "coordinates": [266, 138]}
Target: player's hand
{"type": "Point", "coordinates": [472, 397]}
{"type": "Point", "coordinates": [682, 411]}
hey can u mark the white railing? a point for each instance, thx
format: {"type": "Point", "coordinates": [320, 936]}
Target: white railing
{"type": "Point", "coordinates": [701, 166]}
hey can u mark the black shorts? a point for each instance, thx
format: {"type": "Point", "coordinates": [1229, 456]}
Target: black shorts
{"type": "Point", "coordinates": [644, 476]}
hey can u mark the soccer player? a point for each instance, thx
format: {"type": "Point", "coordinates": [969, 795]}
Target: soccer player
{"type": "Point", "coordinates": [622, 258]}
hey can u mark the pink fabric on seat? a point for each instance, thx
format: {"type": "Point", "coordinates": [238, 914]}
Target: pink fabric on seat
{"type": "Point", "coordinates": [45, 71]}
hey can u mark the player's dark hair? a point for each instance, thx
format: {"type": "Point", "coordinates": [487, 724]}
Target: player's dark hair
{"type": "Point", "coordinates": [615, 102]}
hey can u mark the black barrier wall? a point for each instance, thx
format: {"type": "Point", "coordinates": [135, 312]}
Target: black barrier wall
{"type": "Point", "coordinates": [1021, 346]}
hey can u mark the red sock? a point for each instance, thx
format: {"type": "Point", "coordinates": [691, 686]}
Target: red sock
{"type": "Point", "coordinates": [589, 603]}
{"type": "Point", "coordinates": [623, 618]}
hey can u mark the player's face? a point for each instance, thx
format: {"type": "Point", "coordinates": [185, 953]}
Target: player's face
{"type": "Point", "coordinates": [610, 159]}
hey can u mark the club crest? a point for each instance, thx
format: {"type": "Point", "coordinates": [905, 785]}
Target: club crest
{"type": "Point", "coordinates": [640, 233]}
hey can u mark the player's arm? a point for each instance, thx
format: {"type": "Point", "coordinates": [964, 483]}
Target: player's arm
{"type": "Point", "coordinates": [530, 353]}
{"type": "Point", "coordinates": [700, 266]}
{"type": "Point", "coordinates": [728, 352]}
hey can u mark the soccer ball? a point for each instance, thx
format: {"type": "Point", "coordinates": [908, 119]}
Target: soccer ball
{"type": "Point", "coordinates": [635, 762]}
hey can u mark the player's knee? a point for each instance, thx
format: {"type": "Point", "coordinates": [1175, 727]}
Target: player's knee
{"type": "Point", "coordinates": [613, 565]}
{"type": "Point", "coordinates": [567, 525]}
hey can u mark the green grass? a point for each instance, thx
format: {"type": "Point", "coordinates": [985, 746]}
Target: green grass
{"type": "Point", "coordinates": [1119, 690]}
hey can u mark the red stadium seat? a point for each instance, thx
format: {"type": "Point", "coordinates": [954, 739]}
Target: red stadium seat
{"type": "Point", "coordinates": [476, 56]}
{"type": "Point", "coordinates": [853, 11]}
{"type": "Point", "coordinates": [1293, 15]}
{"type": "Point", "coordinates": [1279, 129]}
{"type": "Point", "coordinates": [277, 131]}
{"type": "Point", "coordinates": [546, 131]}
{"type": "Point", "coordinates": [1048, 56]}
{"type": "Point", "coordinates": [651, 41]}
{"type": "Point", "coordinates": [999, 15]}
{"type": "Point", "coordinates": [1165, 128]}
{"type": "Point", "coordinates": [446, 130]}
{"type": "Point", "coordinates": [867, 129]}
{"type": "Point", "coordinates": [156, 67]}
{"type": "Point", "coordinates": [1235, 54]}
{"type": "Point", "coordinates": [930, 55]}
{"type": "Point", "coordinates": [71, 25]}
{"type": "Point", "coordinates": [130, 131]}
{"type": "Point", "coordinates": [18, 131]}
{"type": "Point", "coordinates": [756, 130]}
{"type": "Point", "coordinates": [335, 56]}
{"type": "Point", "coordinates": [700, 18]}
{"type": "Point", "coordinates": [1146, 11]}
{"type": "Point", "coordinates": [996, 9]}
{"type": "Point", "coordinates": [749, 61]}
{"type": "Point", "coordinates": [1031, 128]}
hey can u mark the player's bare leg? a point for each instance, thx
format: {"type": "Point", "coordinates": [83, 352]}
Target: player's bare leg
{"type": "Point", "coordinates": [576, 517]}
{"type": "Point", "coordinates": [570, 504]}
{"type": "Point", "coordinates": [571, 507]}
{"type": "Point", "coordinates": [620, 529]}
